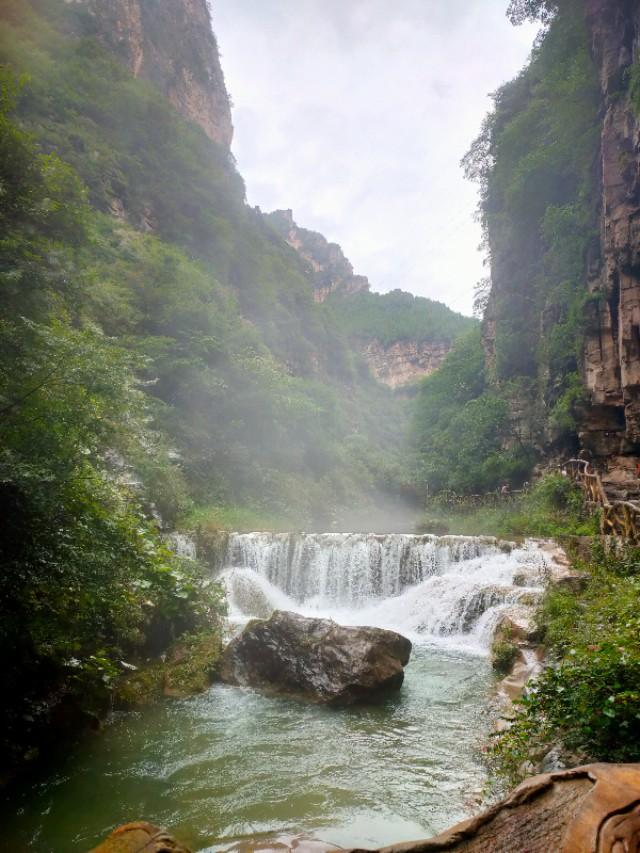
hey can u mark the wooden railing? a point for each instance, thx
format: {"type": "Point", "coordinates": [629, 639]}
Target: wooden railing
{"type": "Point", "coordinates": [617, 518]}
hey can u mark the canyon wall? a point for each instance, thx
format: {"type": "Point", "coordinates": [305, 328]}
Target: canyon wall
{"type": "Point", "coordinates": [611, 426]}
{"type": "Point", "coordinates": [171, 44]}
{"type": "Point", "coordinates": [558, 163]}
{"type": "Point", "coordinates": [332, 272]}
{"type": "Point", "coordinates": [404, 362]}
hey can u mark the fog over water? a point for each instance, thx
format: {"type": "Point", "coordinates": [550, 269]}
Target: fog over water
{"type": "Point", "coordinates": [355, 113]}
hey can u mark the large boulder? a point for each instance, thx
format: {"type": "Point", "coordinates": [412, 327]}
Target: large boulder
{"type": "Point", "coordinates": [316, 659]}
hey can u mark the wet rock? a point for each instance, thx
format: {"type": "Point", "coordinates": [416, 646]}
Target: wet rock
{"type": "Point", "coordinates": [470, 609]}
{"type": "Point", "coordinates": [189, 667]}
{"type": "Point", "coordinates": [140, 838]}
{"type": "Point", "coordinates": [316, 659]}
{"type": "Point", "coordinates": [516, 624]}
{"type": "Point", "coordinates": [592, 809]}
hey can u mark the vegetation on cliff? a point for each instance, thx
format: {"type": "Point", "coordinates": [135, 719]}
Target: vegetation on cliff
{"type": "Point", "coordinates": [534, 162]}
{"type": "Point", "coordinates": [461, 426]}
{"type": "Point", "coordinates": [397, 316]}
{"type": "Point", "coordinates": [252, 383]}
{"type": "Point", "coordinates": [86, 581]}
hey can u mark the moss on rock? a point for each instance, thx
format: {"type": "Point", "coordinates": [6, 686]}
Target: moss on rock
{"type": "Point", "coordinates": [189, 667]}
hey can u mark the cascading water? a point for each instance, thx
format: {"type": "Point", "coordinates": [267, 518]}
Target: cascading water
{"type": "Point", "coordinates": [446, 589]}
{"type": "Point", "coordinates": [231, 764]}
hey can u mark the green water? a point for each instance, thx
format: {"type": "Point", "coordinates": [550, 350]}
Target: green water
{"type": "Point", "coordinates": [231, 764]}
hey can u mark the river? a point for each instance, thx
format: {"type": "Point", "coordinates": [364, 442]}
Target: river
{"type": "Point", "coordinates": [230, 764]}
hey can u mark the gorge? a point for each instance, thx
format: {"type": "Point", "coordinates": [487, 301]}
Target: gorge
{"type": "Point", "coordinates": [207, 415]}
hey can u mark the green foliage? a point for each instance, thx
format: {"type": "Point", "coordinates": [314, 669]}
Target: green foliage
{"type": "Point", "coordinates": [460, 426]}
{"type": "Point", "coordinates": [520, 11]}
{"type": "Point", "coordinates": [587, 700]}
{"type": "Point", "coordinates": [503, 656]}
{"type": "Point", "coordinates": [553, 507]}
{"type": "Point", "coordinates": [396, 316]}
{"type": "Point", "coordinates": [534, 163]}
{"type": "Point", "coordinates": [189, 667]}
{"type": "Point", "coordinates": [85, 576]}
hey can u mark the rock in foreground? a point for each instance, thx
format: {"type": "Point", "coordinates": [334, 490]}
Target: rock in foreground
{"type": "Point", "coordinates": [316, 659]}
{"type": "Point", "coordinates": [140, 838]}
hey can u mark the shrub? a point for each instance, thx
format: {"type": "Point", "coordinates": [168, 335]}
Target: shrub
{"type": "Point", "coordinates": [587, 700]}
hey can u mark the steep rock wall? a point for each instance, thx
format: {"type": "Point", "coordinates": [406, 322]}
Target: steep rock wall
{"type": "Point", "coordinates": [612, 346]}
{"type": "Point", "coordinates": [332, 271]}
{"type": "Point", "coordinates": [404, 362]}
{"type": "Point", "coordinates": [171, 44]}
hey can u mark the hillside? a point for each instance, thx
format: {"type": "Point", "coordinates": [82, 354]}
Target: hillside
{"type": "Point", "coordinates": [556, 163]}
{"type": "Point", "coordinates": [258, 392]}
{"type": "Point", "coordinates": [402, 337]}
{"type": "Point", "coordinates": [164, 360]}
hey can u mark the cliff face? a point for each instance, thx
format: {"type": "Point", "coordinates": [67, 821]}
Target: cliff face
{"type": "Point", "coordinates": [559, 169]}
{"type": "Point", "coordinates": [332, 272]}
{"type": "Point", "coordinates": [171, 44]}
{"type": "Point", "coordinates": [404, 362]}
{"type": "Point", "coordinates": [612, 347]}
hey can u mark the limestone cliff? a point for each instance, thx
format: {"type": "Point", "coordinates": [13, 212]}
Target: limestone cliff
{"type": "Point", "coordinates": [332, 272]}
{"type": "Point", "coordinates": [404, 362]}
{"type": "Point", "coordinates": [171, 44]}
{"type": "Point", "coordinates": [612, 348]}
{"type": "Point", "coordinates": [559, 170]}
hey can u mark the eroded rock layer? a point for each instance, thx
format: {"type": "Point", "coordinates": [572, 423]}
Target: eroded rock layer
{"type": "Point", "coordinates": [404, 362]}
{"type": "Point", "coordinates": [612, 347]}
{"type": "Point", "coordinates": [171, 44]}
{"type": "Point", "coordinates": [332, 271]}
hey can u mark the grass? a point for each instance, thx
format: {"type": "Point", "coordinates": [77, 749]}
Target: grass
{"type": "Point", "coordinates": [554, 508]}
{"type": "Point", "coordinates": [237, 518]}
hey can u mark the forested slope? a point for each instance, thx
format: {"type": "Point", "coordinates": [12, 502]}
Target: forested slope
{"type": "Point", "coordinates": [260, 394]}
{"type": "Point", "coordinates": [556, 163]}
{"type": "Point", "coordinates": [161, 353]}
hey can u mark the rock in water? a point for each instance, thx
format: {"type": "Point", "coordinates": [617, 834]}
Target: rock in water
{"type": "Point", "coordinates": [316, 659]}
{"type": "Point", "coordinates": [140, 838]}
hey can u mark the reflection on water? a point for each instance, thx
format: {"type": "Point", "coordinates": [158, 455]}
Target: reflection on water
{"type": "Point", "coordinates": [231, 764]}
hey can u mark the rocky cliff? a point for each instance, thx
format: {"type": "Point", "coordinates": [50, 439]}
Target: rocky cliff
{"type": "Point", "coordinates": [332, 271]}
{"type": "Point", "coordinates": [611, 426]}
{"type": "Point", "coordinates": [404, 362]}
{"type": "Point", "coordinates": [559, 170]}
{"type": "Point", "coordinates": [170, 43]}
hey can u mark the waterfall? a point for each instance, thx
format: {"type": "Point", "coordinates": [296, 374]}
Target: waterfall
{"type": "Point", "coordinates": [182, 544]}
{"type": "Point", "coordinates": [446, 589]}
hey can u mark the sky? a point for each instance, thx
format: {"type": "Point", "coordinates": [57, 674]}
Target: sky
{"type": "Point", "coordinates": [356, 113]}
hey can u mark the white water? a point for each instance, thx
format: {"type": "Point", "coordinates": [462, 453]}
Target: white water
{"type": "Point", "coordinates": [447, 590]}
{"type": "Point", "coordinates": [183, 545]}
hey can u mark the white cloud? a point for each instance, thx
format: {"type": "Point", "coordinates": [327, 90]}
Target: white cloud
{"type": "Point", "coordinates": [355, 113]}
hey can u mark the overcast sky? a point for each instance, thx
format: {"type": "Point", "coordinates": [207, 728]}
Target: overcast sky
{"type": "Point", "coordinates": [355, 113]}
